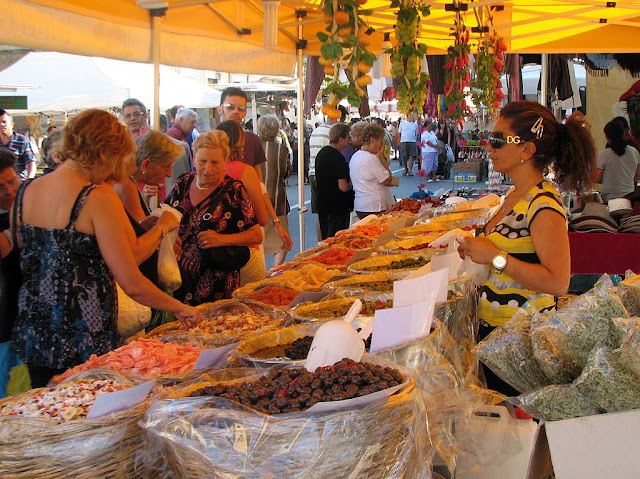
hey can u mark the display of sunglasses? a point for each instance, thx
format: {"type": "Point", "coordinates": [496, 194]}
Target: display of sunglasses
{"type": "Point", "coordinates": [231, 106]}
{"type": "Point", "coordinates": [497, 139]}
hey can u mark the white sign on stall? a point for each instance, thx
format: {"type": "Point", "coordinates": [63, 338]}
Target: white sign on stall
{"type": "Point", "coordinates": [429, 287]}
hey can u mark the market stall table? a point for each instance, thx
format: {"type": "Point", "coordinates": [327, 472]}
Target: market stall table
{"type": "Point", "coordinates": [597, 253]}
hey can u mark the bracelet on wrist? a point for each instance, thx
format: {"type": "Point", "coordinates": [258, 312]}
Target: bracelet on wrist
{"type": "Point", "coordinates": [163, 232]}
{"type": "Point", "coordinates": [274, 222]}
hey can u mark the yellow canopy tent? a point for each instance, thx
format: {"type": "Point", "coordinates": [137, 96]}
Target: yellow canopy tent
{"type": "Point", "coordinates": [228, 34]}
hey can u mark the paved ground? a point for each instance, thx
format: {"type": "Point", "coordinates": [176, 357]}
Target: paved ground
{"type": "Point", "coordinates": [408, 185]}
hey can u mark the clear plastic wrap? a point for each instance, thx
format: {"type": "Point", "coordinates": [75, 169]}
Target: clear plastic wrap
{"type": "Point", "coordinates": [337, 308]}
{"type": "Point", "coordinates": [630, 347]}
{"type": "Point", "coordinates": [458, 313]}
{"type": "Point", "coordinates": [107, 446]}
{"type": "Point", "coordinates": [303, 276]}
{"type": "Point", "coordinates": [379, 282]}
{"type": "Point", "coordinates": [217, 438]}
{"type": "Point", "coordinates": [417, 243]}
{"type": "Point", "coordinates": [556, 403]}
{"type": "Point", "coordinates": [394, 263]}
{"type": "Point", "coordinates": [267, 350]}
{"type": "Point", "coordinates": [226, 322]}
{"type": "Point", "coordinates": [607, 381]}
{"type": "Point", "coordinates": [629, 292]}
{"type": "Point", "coordinates": [563, 342]}
{"type": "Point", "coordinates": [508, 352]}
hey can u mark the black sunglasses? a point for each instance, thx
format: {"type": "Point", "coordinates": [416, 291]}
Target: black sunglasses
{"type": "Point", "coordinates": [497, 140]}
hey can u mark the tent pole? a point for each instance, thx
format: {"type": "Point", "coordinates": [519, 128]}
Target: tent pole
{"type": "Point", "coordinates": [544, 76]}
{"type": "Point", "coordinates": [301, 208]}
{"type": "Point", "coordinates": [254, 113]}
{"type": "Point", "coordinates": [155, 53]}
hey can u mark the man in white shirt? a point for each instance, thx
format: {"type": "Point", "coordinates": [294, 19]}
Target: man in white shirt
{"type": "Point", "coordinates": [408, 148]}
{"type": "Point", "coordinates": [429, 147]}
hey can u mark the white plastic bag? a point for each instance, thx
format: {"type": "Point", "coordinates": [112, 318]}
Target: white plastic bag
{"type": "Point", "coordinates": [133, 317]}
{"type": "Point", "coordinates": [168, 270]}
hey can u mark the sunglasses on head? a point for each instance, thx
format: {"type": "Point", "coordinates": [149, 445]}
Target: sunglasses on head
{"type": "Point", "coordinates": [231, 106]}
{"type": "Point", "coordinates": [497, 139]}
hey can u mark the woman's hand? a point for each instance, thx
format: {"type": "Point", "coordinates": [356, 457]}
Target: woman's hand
{"type": "Point", "coordinates": [188, 316]}
{"type": "Point", "coordinates": [168, 221]}
{"type": "Point", "coordinates": [150, 190]}
{"type": "Point", "coordinates": [149, 222]}
{"type": "Point", "coordinates": [287, 242]}
{"type": "Point", "coordinates": [210, 239]}
{"type": "Point", "coordinates": [478, 250]}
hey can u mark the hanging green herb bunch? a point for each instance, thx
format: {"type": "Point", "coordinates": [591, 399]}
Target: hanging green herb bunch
{"type": "Point", "coordinates": [344, 45]}
{"type": "Point", "coordinates": [458, 76]}
{"type": "Point", "coordinates": [487, 86]}
{"type": "Point", "coordinates": [407, 55]}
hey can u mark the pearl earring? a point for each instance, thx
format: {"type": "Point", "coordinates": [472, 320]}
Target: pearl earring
{"type": "Point", "coordinates": [521, 161]}
{"type": "Point", "coordinates": [144, 172]}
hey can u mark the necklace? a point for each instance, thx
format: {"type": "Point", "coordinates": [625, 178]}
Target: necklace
{"type": "Point", "coordinates": [201, 188]}
{"type": "Point", "coordinates": [512, 200]}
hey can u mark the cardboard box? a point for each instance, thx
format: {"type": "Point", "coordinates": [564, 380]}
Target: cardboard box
{"type": "Point", "coordinates": [592, 447]}
{"type": "Point", "coordinates": [465, 177]}
{"type": "Point", "coordinates": [470, 166]}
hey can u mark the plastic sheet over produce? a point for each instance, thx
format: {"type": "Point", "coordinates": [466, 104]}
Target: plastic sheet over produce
{"type": "Point", "coordinates": [107, 446]}
{"type": "Point", "coordinates": [563, 342]}
{"type": "Point", "coordinates": [244, 317]}
{"type": "Point", "coordinates": [217, 438]}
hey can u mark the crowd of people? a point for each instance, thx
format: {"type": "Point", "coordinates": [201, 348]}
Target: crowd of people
{"type": "Point", "coordinates": [83, 226]}
{"type": "Point", "coordinates": [86, 224]}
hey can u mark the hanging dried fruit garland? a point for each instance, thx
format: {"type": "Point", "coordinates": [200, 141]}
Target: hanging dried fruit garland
{"type": "Point", "coordinates": [487, 86]}
{"type": "Point", "coordinates": [407, 55]}
{"type": "Point", "coordinates": [458, 76]}
{"type": "Point", "coordinates": [345, 44]}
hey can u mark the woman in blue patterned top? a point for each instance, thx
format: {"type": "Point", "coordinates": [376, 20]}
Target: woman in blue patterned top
{"type": "Point", "coordinates": [75, 240]}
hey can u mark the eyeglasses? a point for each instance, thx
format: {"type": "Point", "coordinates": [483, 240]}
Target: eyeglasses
{"type": "Point", "coordinates": [134, 114]}
{"type": "Point", "coordinates": [231, 106]}
{"type": "Point", "coordinates": [497, 140]}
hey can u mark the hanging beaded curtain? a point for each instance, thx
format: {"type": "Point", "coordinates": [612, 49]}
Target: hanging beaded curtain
{"type": "Point", "coordinates": [312, 83]}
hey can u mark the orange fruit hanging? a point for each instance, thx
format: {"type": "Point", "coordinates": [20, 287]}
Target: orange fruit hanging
{"type": "Point", "coordinates": [341, 17]}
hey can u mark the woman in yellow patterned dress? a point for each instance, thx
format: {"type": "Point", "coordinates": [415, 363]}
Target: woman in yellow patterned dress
{"type": "Point", "coordinates": [526, 241]}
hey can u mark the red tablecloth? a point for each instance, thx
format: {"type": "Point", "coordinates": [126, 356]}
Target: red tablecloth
{"type": "Point", "coordinates": [598, 253]}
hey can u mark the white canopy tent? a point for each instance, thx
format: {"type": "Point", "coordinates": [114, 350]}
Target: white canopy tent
{"type": "Point", "coordinates": [58, 82]}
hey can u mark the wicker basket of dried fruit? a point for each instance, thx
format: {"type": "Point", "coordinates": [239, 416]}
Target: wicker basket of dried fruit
{"type": "Point", "coordinates": [225, 322]}
{"type": "Point", "coordinates": [417, 243]}
{"type": "Point", "coordinates": [273, 431]}
{"type": "Point", "coordinates": [45, 434]}
{"type": "Point", "coordinates": [395, 263]}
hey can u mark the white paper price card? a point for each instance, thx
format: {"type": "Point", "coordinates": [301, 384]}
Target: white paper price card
{"type": "Point", "coordinates": [453, 261]}
{"type": "Point", "coordinates": [119, 400]}
{"type": "Point", "coordinates": [397, 326]}
{"type": "Point", "coordinates": [209, 358]}
{"type": "Point", "coordinates": [429, 287]}
{"type": "Point", "coordinates": [334, 340]}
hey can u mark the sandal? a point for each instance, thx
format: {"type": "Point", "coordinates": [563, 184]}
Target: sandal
{"type": "Point", "coordinates": [410, 174]}
{"type": "Point", "coordinates": [404, 173]}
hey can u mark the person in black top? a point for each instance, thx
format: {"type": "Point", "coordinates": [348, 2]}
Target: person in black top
{"type": "Point", "coordinates": [335, 195]}
{"type": "Point", "coordinates": [10, 276]}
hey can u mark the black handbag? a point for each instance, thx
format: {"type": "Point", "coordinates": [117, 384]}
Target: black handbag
{"type": "Point", "coordinates": [224, 258]}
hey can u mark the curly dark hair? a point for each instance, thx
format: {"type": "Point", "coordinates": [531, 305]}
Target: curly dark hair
{"type": "Point", "coordinates": [570, 148]}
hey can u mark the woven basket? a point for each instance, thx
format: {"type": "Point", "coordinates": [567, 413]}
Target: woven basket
{"type": "Point", "coordinates": [105, 447]}
{"type": "Point", "coordinates": [215, 438]}
{"type": "Point", "coordinates": [384, 262]}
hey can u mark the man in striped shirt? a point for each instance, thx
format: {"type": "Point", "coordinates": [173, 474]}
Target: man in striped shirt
{"type": "Point", "coordinates": [319, 139]}
{"type": "Point", "coordinates": [19, 145]}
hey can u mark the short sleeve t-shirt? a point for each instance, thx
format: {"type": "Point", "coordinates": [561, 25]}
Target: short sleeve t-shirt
{"type": "Point", "coordinates": [408, 131]}
{"type": "Point", "coordinates": [618, 172]}
{"type": "Point", "coordinates": [331, 167]}
{"type": "Point", "coordinates": [431, 137]}
{"type": "Point", "coordinates": [21, 147]}
{"type": "Point", "coordinates": [501, 295]}
{"type": "Point", "coordinates": [253, 151]}
{"type": "Point", "coordinates": [367, 175]}
{"type": "Point", "coordinates": [318, 140]}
